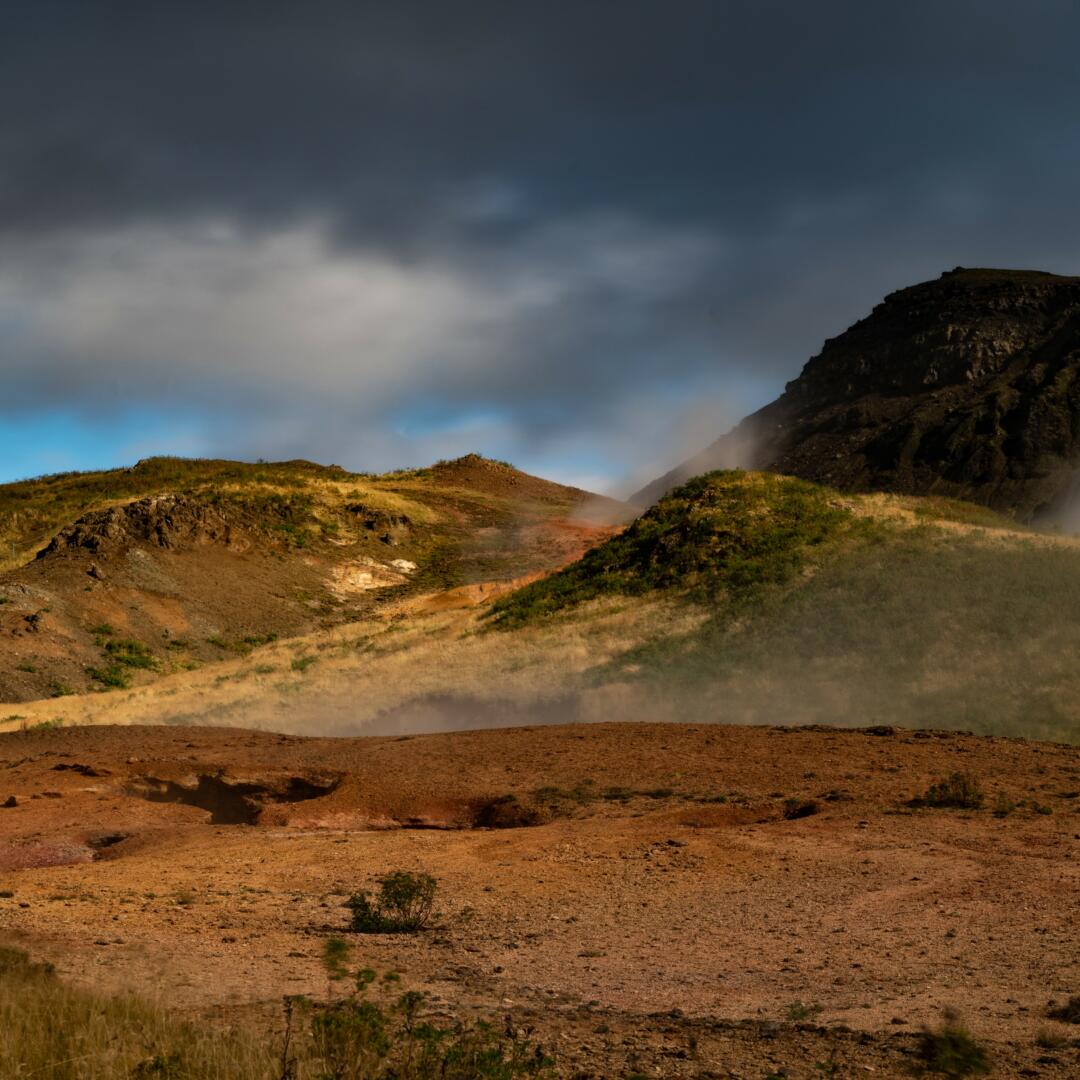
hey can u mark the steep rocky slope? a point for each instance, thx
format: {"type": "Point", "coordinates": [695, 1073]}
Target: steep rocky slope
{"type": "Point", "coordinates": [965, 386]}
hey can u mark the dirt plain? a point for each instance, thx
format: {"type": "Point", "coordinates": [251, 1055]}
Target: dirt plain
{"type": "Point", "coordinates": [664, 914]}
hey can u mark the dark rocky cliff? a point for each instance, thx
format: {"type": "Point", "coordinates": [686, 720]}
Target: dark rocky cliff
{"type": "Point", "coordinates": [967, 386]}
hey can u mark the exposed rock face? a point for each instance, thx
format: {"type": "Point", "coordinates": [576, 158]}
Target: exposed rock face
{"type": "Point", "coordinates": [166, 521]}
{"type": "Point", "coordinates": [390, 528]}
{"type": "Point", "coordinates": [965, 386]}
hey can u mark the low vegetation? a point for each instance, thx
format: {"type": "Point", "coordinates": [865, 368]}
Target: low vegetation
{"type": "Point", "coordinates": [723, 537]}
{"type": "Point", "coordinates": [951, 1051]}
{"type": "Point", "coordinates": [960, 791]}
{"type": "Point", "coordinates": [375, 1031]}
{"type": "Point", "coordinates": [403, 904]}
{"type": "Point", "coordinates": [31, 511]}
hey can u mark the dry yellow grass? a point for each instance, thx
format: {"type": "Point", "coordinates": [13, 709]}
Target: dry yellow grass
{"type": "Point", "coordinates": [56, 1031]}
{"type": "Point", "coordinates": [342, 680]}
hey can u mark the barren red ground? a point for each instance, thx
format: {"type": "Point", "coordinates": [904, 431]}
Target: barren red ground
{"type": "Point", "coordinates": [666, 918]}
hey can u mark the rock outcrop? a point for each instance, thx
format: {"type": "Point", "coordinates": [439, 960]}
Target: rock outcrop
{"type": "Point", "coordinates": [967, 386]}
{"type": "Point", "coordinates": [166, 521]}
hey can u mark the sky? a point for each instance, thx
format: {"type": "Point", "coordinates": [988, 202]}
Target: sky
{"type": "Point", "coordinates": [585, 236]}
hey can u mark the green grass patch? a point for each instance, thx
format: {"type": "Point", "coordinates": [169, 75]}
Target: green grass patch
{"type": "Point", "coordinates": [112, 677]}
{"type": "Point", "coordinates": [725, 537]}
{"type": "Point", "coordinates": [130, 654]}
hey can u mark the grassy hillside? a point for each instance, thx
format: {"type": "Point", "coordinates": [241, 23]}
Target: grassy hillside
{"type": "Point", "coordinates": [120, 577]}
{"type": "Point", "coordinates": [820, 607]}
{"type": "Point", "coordinates": [488, 492]}
{"type": "Point", "coordinates": [741, 598]}
{"type": "Point", "coordinates": [722, 538]}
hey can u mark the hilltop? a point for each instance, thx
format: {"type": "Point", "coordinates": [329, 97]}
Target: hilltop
{"type": "Point", "coordinates": [123, 576]}
{"type": "Point", "coordinates": [967, 387]}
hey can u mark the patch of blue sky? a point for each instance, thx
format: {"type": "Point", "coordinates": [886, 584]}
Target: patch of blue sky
{"type": "Point", "coordinates": [38, 442]}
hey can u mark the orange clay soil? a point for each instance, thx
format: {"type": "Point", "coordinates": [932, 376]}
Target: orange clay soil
{"type": "Point", "coordinates": [664, 915]}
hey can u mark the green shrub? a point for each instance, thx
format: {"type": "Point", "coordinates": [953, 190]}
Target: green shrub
{"type": "Point", "coordinates": [112, 676]}
{"type": "Point", "coordinates": [960, 791]}
{"type": "Point", "coordinates": [403, 905]}
{"type": "Point", "coordinates": [952, 1052]}
{"type": "Point", "coordinates": [132, 654]}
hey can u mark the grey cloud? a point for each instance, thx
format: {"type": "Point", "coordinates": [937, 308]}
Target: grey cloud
{"type": "Point", "coordinates": [554, 211]}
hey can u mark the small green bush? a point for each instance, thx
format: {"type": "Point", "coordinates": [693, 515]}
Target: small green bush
{"type": "Point", "coordinates": [403, 905]}
{"type": "Point", "coordinates": [112, 677]}
{"type": "Point", "coordinates": [951, 1051]}
{"type": "Point", "coordinates": [960, 791]}
{"type": "Point", "coordinates": [132, 654]}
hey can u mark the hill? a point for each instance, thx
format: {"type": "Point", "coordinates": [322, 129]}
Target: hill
{"type": "Point", "coordinates": [119, 577]}
{"type": "Point", "coordinates": [741, 598]}
{"type": "Point", "coordinates": [967, 387]}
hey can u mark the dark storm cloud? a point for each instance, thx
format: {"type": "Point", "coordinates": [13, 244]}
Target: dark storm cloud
{"type": "Point", "coordinates": [546, 210]}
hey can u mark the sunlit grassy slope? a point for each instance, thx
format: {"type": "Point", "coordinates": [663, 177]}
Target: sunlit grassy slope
{"type": "Point", "coordinates": [311, 499]}
{"type": "Point", "coordinates": [819, 607]}
{"type": "Point", "coordinates": [740, 598]}
{"type": "Point", "coordinates": [177, 563]}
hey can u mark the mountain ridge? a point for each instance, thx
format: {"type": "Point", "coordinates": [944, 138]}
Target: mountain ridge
{"type": "Point", "coordinates": [966, 386]}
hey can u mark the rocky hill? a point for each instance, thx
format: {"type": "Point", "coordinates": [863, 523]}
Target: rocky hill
{"type": "Point", "coordinates": [966, 386]}
{"type": "Point", "coordinates": [122, 576]}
